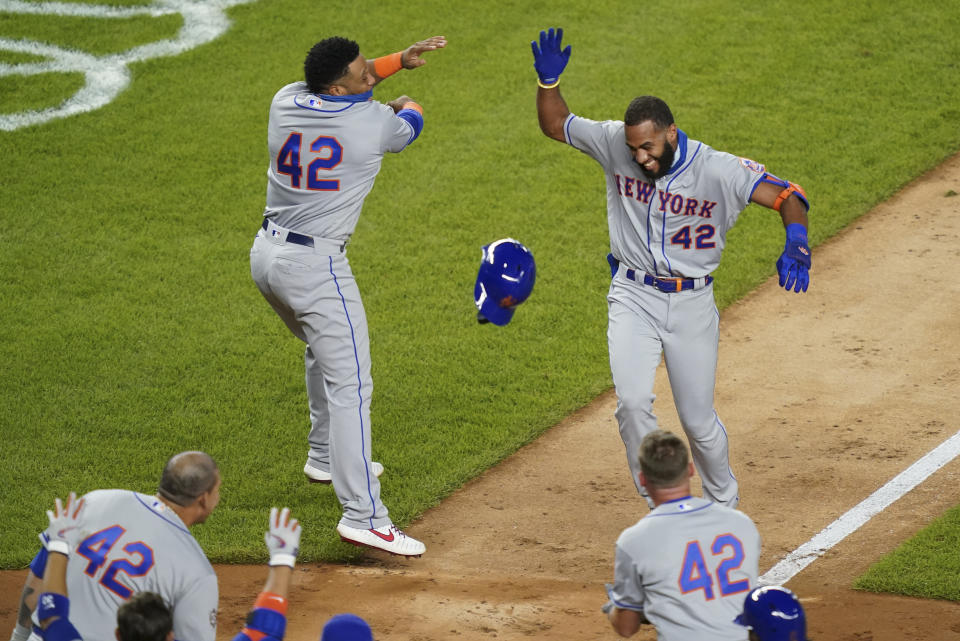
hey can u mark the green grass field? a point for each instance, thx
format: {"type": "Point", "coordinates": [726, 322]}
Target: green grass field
{"type": "Point", "coordinates": [925, 566]}
{"type": "Point", "coordinates": [131, 329]}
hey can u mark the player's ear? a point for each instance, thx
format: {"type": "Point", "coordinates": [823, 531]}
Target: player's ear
{"type": "Point", "coordinates": [690, 470]}
{"type": "Point", "coordinates": [336, 90]}
{"type": "Point", "coordinates": [169, 636]}
{"type": "Point", "coordinates": [672, 134]}
{"type": "Point", "coordinates": [116, 633]}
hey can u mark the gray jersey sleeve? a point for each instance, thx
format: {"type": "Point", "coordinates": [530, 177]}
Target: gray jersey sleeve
{"type": "Point", "coordinates": [596, 139]}
{"type": "Point", "coordinates": [738, 178]}
{"type": "Point", "coordinates": [195, 614]}
{"type": "Point", "coordinates": [627, 590]}
{"type": "Point", "coordinates": [396, 133]}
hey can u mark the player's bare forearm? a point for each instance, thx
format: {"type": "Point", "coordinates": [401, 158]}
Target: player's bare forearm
{"type": "Point", "coordinates": [552, 112]}
{"type": "Point", "coordinates": [792, 210]}
{"type": "Point", "coordinates": [55, 574]}
{"type": "Point", "coordinates": [278, 581]}
{"type": "Point", "coordinates": [28, 598]}
{"type": "Point", "coordinates": [625, 622]}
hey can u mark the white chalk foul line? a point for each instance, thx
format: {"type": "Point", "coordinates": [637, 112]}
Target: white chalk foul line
{"type": "Point", "coordinates": [863, 512]}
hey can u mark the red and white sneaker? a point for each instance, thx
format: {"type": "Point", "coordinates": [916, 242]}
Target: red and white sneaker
{"type": "Point", "coordinates": [315, 475]}
{"type": "Point", "coordinates": [388, 538]}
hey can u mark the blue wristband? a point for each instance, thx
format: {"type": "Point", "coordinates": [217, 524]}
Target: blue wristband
{"type": "Point", "coordinates": [796, 233]}
{"type": "Point", "coordinates": [51, 604]}
{"type": "Point", "coordinates": [268, 621]}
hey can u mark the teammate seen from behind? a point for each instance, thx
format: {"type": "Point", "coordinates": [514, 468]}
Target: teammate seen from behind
{"type": "Point", "coordinates": [670, 202]}
{"type": "Point", "coordinates": [326, 139]}
{"type": "Point", "coordinates": [773, 613]}
{"type": "Point", "coordinates": [686, 566]}
{"type": "Point", "coordinates": [145, 616]}
{"type": "Point", "coordinates": [126, 542]}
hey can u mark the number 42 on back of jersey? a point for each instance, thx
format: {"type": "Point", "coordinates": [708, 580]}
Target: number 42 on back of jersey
{"type": "Point", "coordinates": [96, 548]}
{"type": "Point", "coordinates": [695, 573]}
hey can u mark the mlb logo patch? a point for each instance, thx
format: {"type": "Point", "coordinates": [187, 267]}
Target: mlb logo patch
{"type": "Point", "coordinates": [752, 165]}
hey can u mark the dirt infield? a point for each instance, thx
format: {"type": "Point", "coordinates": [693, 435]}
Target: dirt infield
{"type": "Point", "coordinates": [826, 396]}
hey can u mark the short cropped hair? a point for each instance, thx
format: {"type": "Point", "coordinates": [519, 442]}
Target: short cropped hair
{"type": "Point", "coordinates": [186, 476]}
{"type": "Point", "coordinates": [646, 108]}
{"type": "Point", "coordinates": [327, 61]}
{"type": "Point", "coordinates": [663, 459]}
{"type": "Point", "coordinates": [145, 617]}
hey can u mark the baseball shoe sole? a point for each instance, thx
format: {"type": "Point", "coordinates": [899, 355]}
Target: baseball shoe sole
{"type": "Point", "coordinates": [388, 538]}
{"type": "Point", "coordinates": [319, 476]}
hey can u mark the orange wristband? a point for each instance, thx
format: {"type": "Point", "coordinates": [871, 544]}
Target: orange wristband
{"type": "Point", "coordinates": [388, 65]}
{"type": "Point", "coordinates": [271, 601]}
{"type": "Point", "coordinates": [412, 105]}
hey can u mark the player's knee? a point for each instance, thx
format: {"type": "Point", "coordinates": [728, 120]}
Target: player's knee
{"type": "Point", "coordinates": [635, 405]}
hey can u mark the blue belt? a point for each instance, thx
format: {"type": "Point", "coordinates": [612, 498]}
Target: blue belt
{"type": "Point", "coordinates": [293, 237]}
{"type": "Point", "coordinates": [668, 285]}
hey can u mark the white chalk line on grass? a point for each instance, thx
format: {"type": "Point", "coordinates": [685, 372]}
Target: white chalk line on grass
{"type": "Point", "coordinates": [847, 524]}
{"type": "Point", "coordinates": [105, 76]}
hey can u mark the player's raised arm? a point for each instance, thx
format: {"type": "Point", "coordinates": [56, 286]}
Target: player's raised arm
{"type": "Point", "coordinates": [267, 620]}
{"type": "Point", "coordinates": [550, 60]}
{"type": "Point", "coordinates": [53, 606]}
{"type": "Point", "coordinates": [790, 201]}
{"type": "Point", "coordinates": [409, 58]}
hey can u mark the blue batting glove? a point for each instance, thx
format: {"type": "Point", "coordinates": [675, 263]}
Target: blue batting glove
{"type": "Point", "coordinates": [794, 263]}
{"type": "Point", "coordinates": [548, 59]}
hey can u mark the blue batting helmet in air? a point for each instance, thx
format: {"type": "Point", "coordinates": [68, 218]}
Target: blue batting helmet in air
{"type": "Point", "coordinates": [505, 280]}
{"type": "Point", "coordinates": [774, 614]}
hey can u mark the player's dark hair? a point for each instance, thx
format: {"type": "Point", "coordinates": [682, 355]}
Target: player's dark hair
{"type": "Point", "coordinates": [327, 61]}
{"type": "Point", "coordinates": [186, 476]}
{"type": "Point", "coordinates": [145, 617]}
{"type": "Point", "coordinates": [646, 108]}
{"type": "Point", "coordinates": [663, 459]}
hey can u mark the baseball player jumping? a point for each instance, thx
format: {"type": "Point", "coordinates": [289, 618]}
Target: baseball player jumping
{"type": "Point", "coordinates": [327, 138]}
{"type": "Point", "coordinates": [686, 566]}
{"type": "Point", "coordinates": [670, 202]}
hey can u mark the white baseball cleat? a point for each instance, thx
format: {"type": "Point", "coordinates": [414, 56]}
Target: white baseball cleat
{"type": "Point", "coordinates": [388, 538]}
{"type": "Point", "coordinates": [319, 476]}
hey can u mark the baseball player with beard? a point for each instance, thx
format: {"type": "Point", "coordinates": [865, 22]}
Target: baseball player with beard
{"type": "Point", "coordinates": [327, 138]}
{"type": "Point", "coordinates": [670, 202]}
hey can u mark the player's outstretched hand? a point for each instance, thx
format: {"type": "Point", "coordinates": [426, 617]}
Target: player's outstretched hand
{"type": "Point", "coordinates": [548, 59]}
{"type": "Point", "coordinates": [412, 56]}
{"type": "Point", "coordinates": [283, 537]}
{"type": "Point", "coordinates": [793, 266]}
{"type": "Point", "coordinates": [64, 527]}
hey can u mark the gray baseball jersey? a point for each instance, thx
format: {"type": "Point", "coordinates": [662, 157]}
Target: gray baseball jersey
{"type": "Point", "coordinates": [324, 157]}
{"type": "Point", "coordinates": [687, 566]}
{"type": "Point", "coordinates": [325, 153]}
{"type": "Point", "coordinates": [677, 225]}
{"type": "Point", "coordinates": [674, 226]}
{"type": "Point", "coordinates": [131, 542]}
